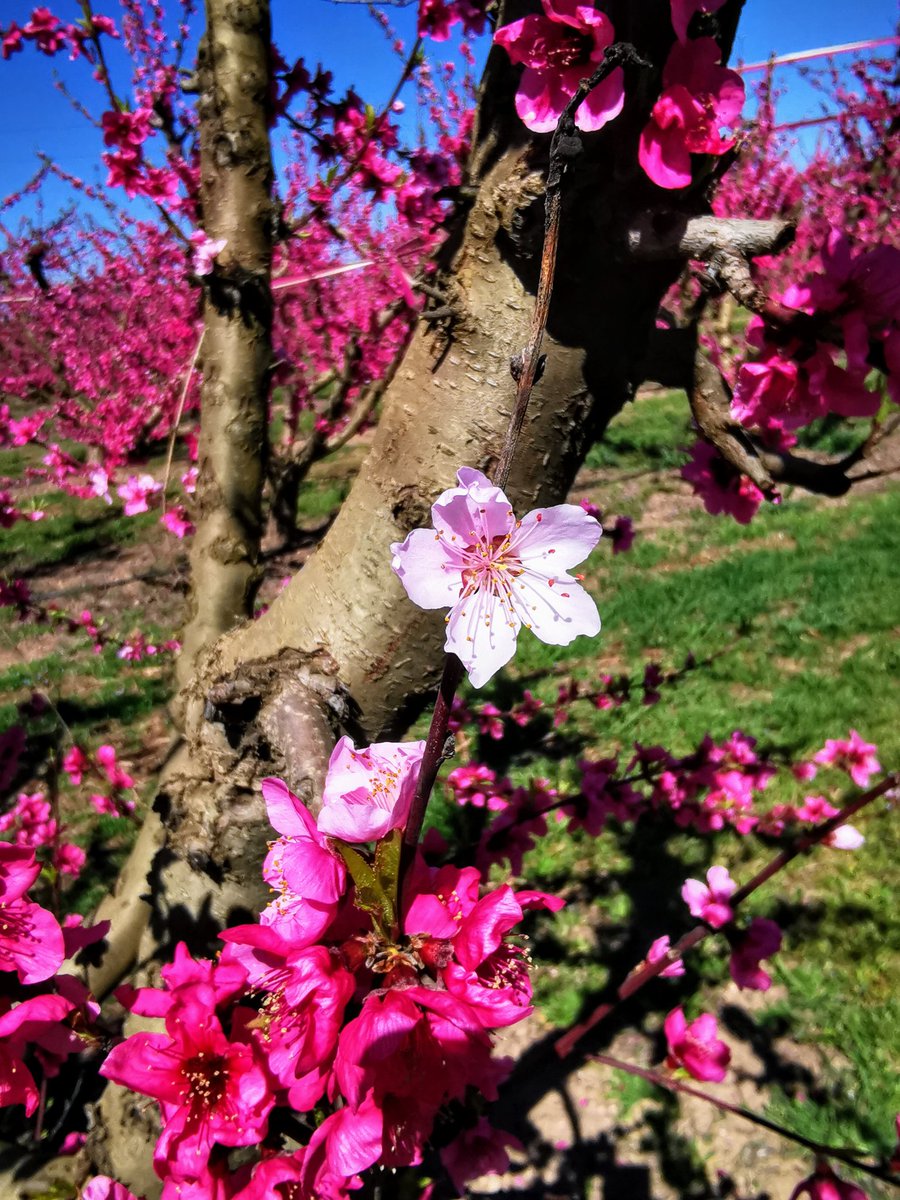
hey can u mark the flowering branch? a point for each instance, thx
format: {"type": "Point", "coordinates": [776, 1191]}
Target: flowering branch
{"type": "Point", "coordinates": [647, 970]}
{"type": "Point", "coordinates": [710, 402]}
{"type": "Point", "coordinates": [525, 368]}
{"type": "Point", "coordinates": [676, 1085]}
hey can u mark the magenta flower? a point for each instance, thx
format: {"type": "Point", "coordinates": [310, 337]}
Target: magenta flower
{"type": "Point", "coordinates": [481, 1150]}
{"type": "Point", "coordinates": [368, 792]}
{"type": "Point", "coordinates": [699, 98]}
{"type": "Point", "coordinates": [721, 488]}
{"type": "Point", "coordinates": [34, 1025]}
{"type": "Point", "coordinates": [211, 1090]}
{"type": "Point", "coordinates": [696, 1047]}
{"type": "Point", "coordinates": [101, 1187]}
{"type": "Point", "coordinates": [309, 876]}
{"type": "Point", "coordinates": [136, 492]}
{"type": "Point", "coordinates": [559, 49]}
{"type": "Point", "coordinates": [301, 1016]}
{"type": "Point", "coordinates": [31, 941]}
{"type": "Point", "coordinates": [710, 903]}
{"type": "Point", "coordinates": [761, 940]}
{"type": "Point", "coordinates": [497, 574]}
{"type": "Point", "coordinates": [852, 755]}
{"type": "Point", "coordinates": [489, 973]}
{"type": "Point", "coordinates": [823, 1184]}
{"type": "Point", "coordinates": [659, 949]}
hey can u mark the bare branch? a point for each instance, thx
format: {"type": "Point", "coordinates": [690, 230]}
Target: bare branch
{"type": "Point", "coordinates": [669, 235]}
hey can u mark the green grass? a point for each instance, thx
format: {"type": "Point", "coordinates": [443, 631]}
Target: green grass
{"type": "Point", "coordinates": [649, 434]}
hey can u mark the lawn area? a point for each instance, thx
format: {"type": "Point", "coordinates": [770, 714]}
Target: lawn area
{"type": "Point", "coordinates": [791, 630]}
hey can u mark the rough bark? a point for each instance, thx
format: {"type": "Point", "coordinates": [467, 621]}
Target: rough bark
{"type": "Point", "coordinates": [235, 188]}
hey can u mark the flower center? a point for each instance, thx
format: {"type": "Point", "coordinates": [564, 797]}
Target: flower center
{"type": "Point", "coordinates": [568, 50]}
{"type": "Point", "coordinates": [206, 1075]}
{"type": "Point", "coordinates": [491, 566]}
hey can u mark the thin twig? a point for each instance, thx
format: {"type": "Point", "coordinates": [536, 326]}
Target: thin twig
{"type": "Point", "coordinates": [178, 414]}
{"type": "Point", "coordinates": [676, 1085]}
{"type": "Point", "coordinates": [649, 970]}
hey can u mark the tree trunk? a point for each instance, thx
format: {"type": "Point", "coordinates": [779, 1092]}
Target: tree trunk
{"type": "Point", "coordinates": [342, 648]}
{"type": "Point", "coordinates": [235, 191]}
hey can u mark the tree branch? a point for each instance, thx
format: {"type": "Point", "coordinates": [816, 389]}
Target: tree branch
{"type": "Point", "coordinates": [658, 236]}
{"type": "Point", "coordinates": [710, 399]}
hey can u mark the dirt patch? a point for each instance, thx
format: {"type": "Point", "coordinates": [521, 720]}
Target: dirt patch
{"type": "Point", "coordinates": [583, 1130]}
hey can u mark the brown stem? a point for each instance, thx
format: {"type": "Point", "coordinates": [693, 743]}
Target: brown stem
{"type": "Point", "coordinates": [647, 970]}
{"type": "Point", "coordinates": [676, 1085]}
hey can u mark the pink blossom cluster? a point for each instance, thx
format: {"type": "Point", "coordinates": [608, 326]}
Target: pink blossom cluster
{"type": "Point", "coordinates": [852, 308]}
{"type": "Point", "coordinates": [52, 1021]}
{"type": "Point", "coordinates": [348, 995]}
{"type": "Point", "coordinates": [564, 45]}
{"type": "Point", "coordinates": [719, 785]}
{"type": "Point", "coordinates": [31, 822]}
{"type": "Point", "coordinates": [49, 35]}
{"type": "Point", "coordinates": [721, 487]}
{"type": "Point", "coordinates": [17, 595]}
{"type": "Point", "coordinates": [437, 17]}
{"type": "Point", "coordinates": [103, 769]}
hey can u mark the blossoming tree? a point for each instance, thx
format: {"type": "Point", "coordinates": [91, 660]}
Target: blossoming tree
{"type": "Point", "coordinates": [348, 1025]}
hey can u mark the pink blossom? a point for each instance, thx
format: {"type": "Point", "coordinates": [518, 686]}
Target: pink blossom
{"type": "Point", "coordinates": [117, 776]}
{"type": "Point", "coordinates": [205, 251]}
{"type": "Point", "coordinates": [761, 940]}
{"type": "Point", "coordinates": [622, 535]}
{"type": "Point", "coordinates": [696, 1046]}
{"type": "Point", "coordinates": [852, 755]}
{"type": "Point", "coordinates": [436, 17]}
{"type": "Point", "coordinates": [99, 481]}
{"type": "Point", "coordinates": [69, 859]}
{"type": "Point", "coordinates": [75, 763]}
{"type": "Point", "coordinates": [46, 31]}
{"type": "Point", "coordinates": [35, 1024]}
{"type": "Point", "coordinates": [489, 973]}
{"type": "Point", "coordinates": [497, 573]}
{"type": "Point", "coordinates": [480, 1150]}
{"type": "Point", "coordinates": [368, 792]}
{"type": "Point", "coordinates": [847, 837]}
{"type": "Point", "coordinates": [659, 949]}
{"type": "Point", "coordinates": [683, 10]}
{"type": "Point", "coordinates": [298, 1026]}
{"type": "Point", "coordinates": [408, 1053]}
{"type": "Point", "coordinates": [136, 491]}
{"type": "Point", "coordinates": [31, 941]}
{"type": "Point", "coordinates": [823, 1184]}
{"type": "Point", "coordinates": [11, 41]}
{"type": "Point", "coordinates": [211, 1089]}
{"type": "Point", "coordinates": [101, 1187]}
{"type": "Point", "coordinates": [300, 860]}
{"type": "Point", "coordinates": [699, 98]}
{"type": "Point", "coordinates": [559, 49]}
{"type": "Point", "coordinates": [721, 488]}
{"type": "Point", "coordinates": [710, 903]}
{"type": "Point", "coordinates": [177, 522]}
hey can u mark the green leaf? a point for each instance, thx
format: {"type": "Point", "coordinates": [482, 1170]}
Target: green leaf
{"type": "Point", "coordinates": [370, 896]}
{"type": "Point", "coordinates": [387, 867]}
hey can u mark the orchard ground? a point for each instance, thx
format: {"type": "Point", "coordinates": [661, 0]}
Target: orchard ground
{"type": "Point", "coordinates": [792, 623]}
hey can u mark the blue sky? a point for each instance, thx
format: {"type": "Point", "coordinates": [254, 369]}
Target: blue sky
{"type": "Point", "coordinates": [34, 116]}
